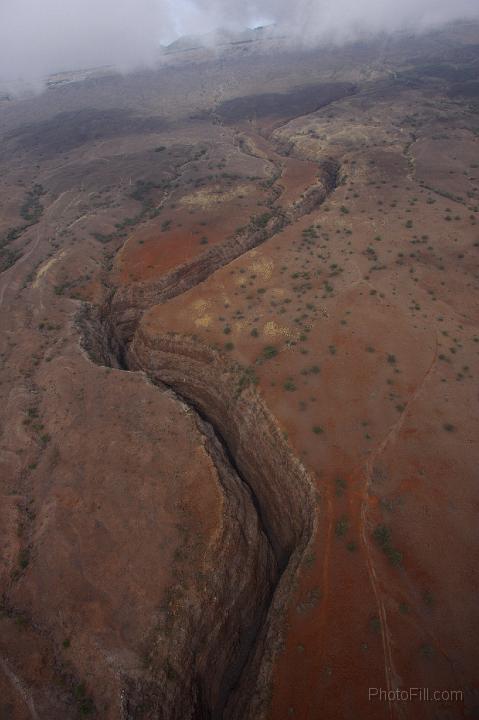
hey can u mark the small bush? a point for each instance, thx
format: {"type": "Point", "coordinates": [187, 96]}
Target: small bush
{"type": "Point", "coordinates": [382, 536]}
{"type": "Point", "coordinates": [341, 485]}
{"type": "Point", "coordinates": [342, 526]}
{"type": "Point", "coordinates": [270, 352]}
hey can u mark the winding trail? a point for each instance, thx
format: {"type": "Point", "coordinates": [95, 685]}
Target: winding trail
{"type": "Point", "coordinates": [391, 675]}
{"type": "Point", "coordinates": [19, 687]}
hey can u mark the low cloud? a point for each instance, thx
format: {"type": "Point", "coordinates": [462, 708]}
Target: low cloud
{"type": "Point", "coordinates": [40, 38]}
{"type": "Point", "coordinates": [338, 20]}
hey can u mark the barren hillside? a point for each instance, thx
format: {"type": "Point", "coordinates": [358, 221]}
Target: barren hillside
{"type": "Point", "coordinates": [240, 319]}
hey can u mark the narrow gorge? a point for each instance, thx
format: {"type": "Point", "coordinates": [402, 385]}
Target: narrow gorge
{"type": "Point", "coordinates": [214, 660]}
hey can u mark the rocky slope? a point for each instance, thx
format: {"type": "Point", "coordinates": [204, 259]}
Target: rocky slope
{"type": "Point", "coordinates": [238, 423]}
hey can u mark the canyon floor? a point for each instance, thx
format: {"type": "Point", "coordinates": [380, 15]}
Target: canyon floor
{"type": "Point", "coordinates": [239, 313]}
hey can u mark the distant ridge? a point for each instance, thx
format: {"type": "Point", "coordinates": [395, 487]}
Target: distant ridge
{"type": "Point", "coordinates": [221, 37]}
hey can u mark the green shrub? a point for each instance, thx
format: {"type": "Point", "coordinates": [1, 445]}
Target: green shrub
{"type": "Point", "coordinates": [382, 536]}
{"type": "Point", "coordinates": [270, 352]}
{"type": "Point", "coordinates": [342, 526]}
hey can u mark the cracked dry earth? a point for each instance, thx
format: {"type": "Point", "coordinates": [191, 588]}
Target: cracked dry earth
{"type": "Point", "coordinates": [239, 317]}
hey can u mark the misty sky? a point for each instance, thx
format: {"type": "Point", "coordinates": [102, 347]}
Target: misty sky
{"type": "Point", "coordinates": [38, 37]}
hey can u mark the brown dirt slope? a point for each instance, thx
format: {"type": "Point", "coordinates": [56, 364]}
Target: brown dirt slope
{"type": "Point", "coordinates": [238, 451]}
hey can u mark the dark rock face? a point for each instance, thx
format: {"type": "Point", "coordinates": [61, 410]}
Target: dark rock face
{"type": "Point", "coordinates": [213, 660]}
{"type": "Point", "coordinates": [269, 493]}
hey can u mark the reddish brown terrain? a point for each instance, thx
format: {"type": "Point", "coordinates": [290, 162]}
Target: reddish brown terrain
{"type": "Point", "coordinates": [240, 349]}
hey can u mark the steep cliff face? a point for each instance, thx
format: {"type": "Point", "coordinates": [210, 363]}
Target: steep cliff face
{"type": "Point", "coordinates": [211, 654]}
{"type": "Point", "coordinates": [201, 376]}
{"type": "Point", "coordinates": [206, 633]}
{"type": "Point", "coordinates": [280, 503]}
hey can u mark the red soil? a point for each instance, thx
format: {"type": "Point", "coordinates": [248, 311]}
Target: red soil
{"type": "Point", "coordinates": [356, 621]}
